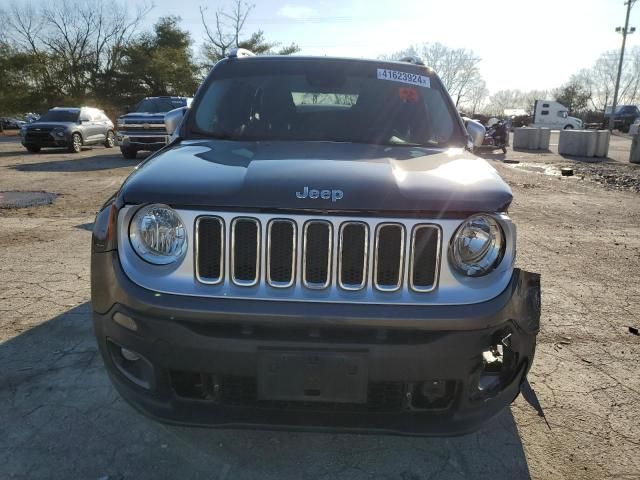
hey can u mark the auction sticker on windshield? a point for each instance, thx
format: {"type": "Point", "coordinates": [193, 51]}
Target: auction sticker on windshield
{"type": "Point", "coordinates": [404, 77]}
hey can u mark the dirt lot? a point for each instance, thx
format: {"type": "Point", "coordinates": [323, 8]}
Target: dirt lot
{"type": "Point", "coordinates": [579, 419]}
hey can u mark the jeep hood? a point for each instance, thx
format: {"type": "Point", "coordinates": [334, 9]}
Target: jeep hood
{"type": "Point", "coordinates": [268, 175]}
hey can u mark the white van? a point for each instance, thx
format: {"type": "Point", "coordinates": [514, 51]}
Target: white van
{"type": "Point", "coordinates": [554, 115]}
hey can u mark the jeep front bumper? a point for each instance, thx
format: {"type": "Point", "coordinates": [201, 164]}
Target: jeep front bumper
{"type": "Point", "coordinates": [203, 361]}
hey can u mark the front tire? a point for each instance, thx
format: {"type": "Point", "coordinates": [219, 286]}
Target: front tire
{"type": "Point", "coordinates": [110, 141]}
{"type": "Point", "coordinates": [128, 153]}
{"type": "Point", "coordinates": [568, 127]}
{"type": "Point", "coordinates": [76, 143]}
{"type": "Point", "coordinates": [33, 149]}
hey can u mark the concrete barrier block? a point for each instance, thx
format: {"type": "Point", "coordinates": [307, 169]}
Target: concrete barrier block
{"type": "Point", "coordinates": [545, 138]}
{"type": "Point", "coordinates": [521, 137]}
{"type": "Point", "coordinates": [534, 139]}
{"type": "Point", "coordinates": [531, 138]}
{"type": "Point", "coordinates": [633, 129]}
{"type": "Point", "coordinates": [592, 142]}
{"type": "Point", "coordinates": [602, 143]}
{"type": "Point", "coordinates": [634, 155]}
{"type": "Point", "coordinates": [583, 143]}
{"type": "Point", "coordinates": [571, 144]}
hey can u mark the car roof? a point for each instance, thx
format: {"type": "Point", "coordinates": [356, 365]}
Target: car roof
{"type": "Point", "coordinates": [310, 58]}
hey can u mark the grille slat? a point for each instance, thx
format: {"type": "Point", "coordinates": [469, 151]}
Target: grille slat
{"type": "Point", "coordinates": [300, 254]}
{"type": "Point", "coordinates": [209, 249]}
{"type": "Point", "coordinates": [316, 272]}
{"type": "Point", "coordinates": [352, 269]}
{"type": "Point", "coordinates": [389, 257]}
{"type": "Point", "coordinates": [424, 257]}
{"type": "Point", "coordinates": [245, 251]}
{"type": "Point", "coordinates": [281, 253]}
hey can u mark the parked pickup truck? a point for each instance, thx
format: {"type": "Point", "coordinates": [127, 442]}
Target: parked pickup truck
{"type": "Point", "coordinates": [625, 116]}
{"type": "Point", "coordinates": [144, 128]}
{"type": "Point", "coordinates": [316, 248]}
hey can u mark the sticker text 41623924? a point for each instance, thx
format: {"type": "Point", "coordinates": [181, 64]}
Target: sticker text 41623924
{"type": "Point", "coordinates": [404, 77]}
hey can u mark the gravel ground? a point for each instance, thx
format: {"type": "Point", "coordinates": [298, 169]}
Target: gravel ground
{"type": "Point", "coordinates": [61, 419]}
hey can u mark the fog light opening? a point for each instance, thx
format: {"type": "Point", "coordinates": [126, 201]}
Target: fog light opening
{"type": "Point", "coordinates": [430, 395]}
{"type": "Point", "coordinates": [132, 365]}
{"type": "Point", "coordinates": [129, 355]}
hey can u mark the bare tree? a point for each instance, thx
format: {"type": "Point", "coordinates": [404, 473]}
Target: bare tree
{"type": "Point", "coordinates": [599, 80]}
{"type": "Point", "coordinates": [226, 33]}
{"type": "Point", "coordinates": [78, 42]}
{"type": "Point", "coordinates": [227, 30]}
{"type": "Point", "coordinates": [477, 95]}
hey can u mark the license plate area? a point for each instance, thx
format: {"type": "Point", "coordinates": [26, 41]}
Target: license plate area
{"type": "Point", "coordinates": [312, 376]}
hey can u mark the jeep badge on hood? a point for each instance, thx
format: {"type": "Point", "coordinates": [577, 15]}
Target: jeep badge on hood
{"type": "Point", "coordinates": [334, 195]}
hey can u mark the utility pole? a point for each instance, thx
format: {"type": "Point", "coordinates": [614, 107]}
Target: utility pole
{"type": "Point", "coordinates": [625, 31]}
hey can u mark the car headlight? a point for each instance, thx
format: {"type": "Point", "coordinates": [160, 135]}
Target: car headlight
{"type": "Point", "coordinates": [59, 132]}
{"type": "Point", "coordinates": [158, 235]}
{"type": "Point", "coordinates": [477, 246]}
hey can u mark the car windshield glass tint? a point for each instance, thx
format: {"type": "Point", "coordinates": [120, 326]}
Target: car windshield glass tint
{"type": "Point", "coordinates": [159, 105]}
{"type": "Point", "coordinates": [60, 116]}
{"type": "Point", "coordinates": [339, 101]}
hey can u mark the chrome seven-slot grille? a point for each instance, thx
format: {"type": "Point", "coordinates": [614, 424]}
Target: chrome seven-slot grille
{"type": "Point", "coordinates": [308, 252]}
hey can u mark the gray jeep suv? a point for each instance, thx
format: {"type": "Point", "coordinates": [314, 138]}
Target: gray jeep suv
{"type": "Point", "coordinates": [316, 247]}
{"type": "Point", "coordinates": [69, 127]}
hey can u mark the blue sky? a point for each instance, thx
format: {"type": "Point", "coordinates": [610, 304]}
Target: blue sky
{"type": "Point", "coordinates": [535, 44]}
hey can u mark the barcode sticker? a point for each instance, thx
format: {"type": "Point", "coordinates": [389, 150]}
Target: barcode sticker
{"type": "Point", "coordinates": [404, 77]}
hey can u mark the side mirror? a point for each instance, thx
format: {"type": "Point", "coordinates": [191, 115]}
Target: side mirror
{"type": "Point", "coordinates": [173, 119]}
{"type": "Point", "coordinates": [475, 130]}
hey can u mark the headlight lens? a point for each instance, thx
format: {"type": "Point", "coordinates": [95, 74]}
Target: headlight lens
{"type": "Point", "coordinates": [158, 235]}
{"type": "Point", "coordinates": [477, 246]}
{"type": "Point", "coordinates": [59, 132]}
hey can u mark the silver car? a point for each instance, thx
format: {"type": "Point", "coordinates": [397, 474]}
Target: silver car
{"type": "Point", "coordinates": [70, 128]}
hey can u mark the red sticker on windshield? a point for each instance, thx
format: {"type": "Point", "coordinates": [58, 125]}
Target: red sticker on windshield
{"type": "Point", "coordinates": [408, 94]}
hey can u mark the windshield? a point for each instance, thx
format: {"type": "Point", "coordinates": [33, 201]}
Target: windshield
{"type": "Point", "coordinates": [159, 105]}
{"type": "Point", "coordinates": [60, 116]}
{"type": "Point", "coordinates": [327, 101]}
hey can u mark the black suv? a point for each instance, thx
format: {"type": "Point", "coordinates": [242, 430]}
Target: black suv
{"type": "Point", "coordinates": [316, 247]}
{"type": "Point", "coordinates": [69, 127]}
